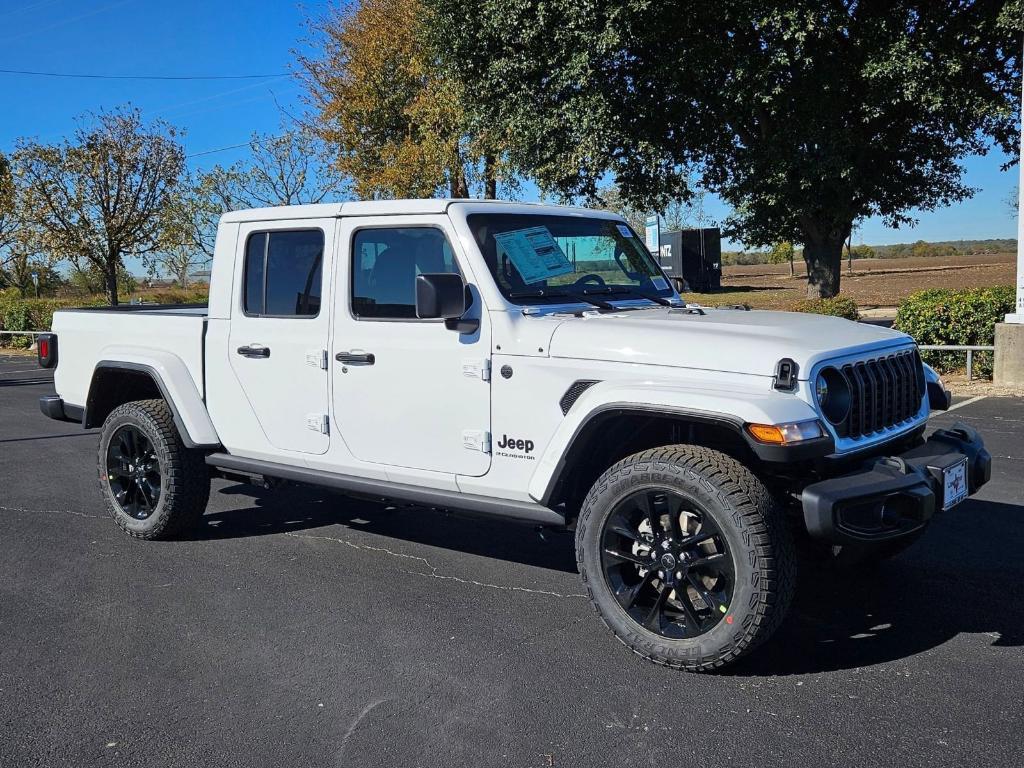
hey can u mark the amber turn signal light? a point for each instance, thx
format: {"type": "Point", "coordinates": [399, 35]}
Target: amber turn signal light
{"type": "Point", "coordinates": [786, 434]}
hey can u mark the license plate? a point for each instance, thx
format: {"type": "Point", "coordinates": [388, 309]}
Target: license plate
{"type": "Point", "coordinates": [954, 484]}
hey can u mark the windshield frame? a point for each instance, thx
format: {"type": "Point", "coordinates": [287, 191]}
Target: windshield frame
{"type": "Point", "coordinates": [482, 230]}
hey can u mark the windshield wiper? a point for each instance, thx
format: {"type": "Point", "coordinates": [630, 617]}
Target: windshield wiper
{"type": "Point", "coordinates": [633, 291]}
{"type": "Point", "coordinates": [542, 293]}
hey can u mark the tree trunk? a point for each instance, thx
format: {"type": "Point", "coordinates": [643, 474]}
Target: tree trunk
{"type": "Point", "coordinates": [823, 254]}
{"type": "Point", "coordinates": [112, 281]}
{"type": "Point", "coordinates": [824, 266]}
{"type": "Point", "coordinates": [458, 184]}
{"type": "Point", "coordinates": [490, 179]}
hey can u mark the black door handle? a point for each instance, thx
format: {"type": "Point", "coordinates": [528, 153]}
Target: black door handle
{"type": "Point", "coordinates": [356, 358]}
{"type": "Point", "coordinates": [256, 351]}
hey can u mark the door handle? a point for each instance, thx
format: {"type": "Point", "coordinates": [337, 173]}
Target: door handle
{"type": "Point", "coordinates": [356, 358]}
{"type": "Point", "coordinates": [254, 350]}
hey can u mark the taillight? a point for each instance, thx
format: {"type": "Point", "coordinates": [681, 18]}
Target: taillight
{"type": "Point", "coordinates": [46, 350]}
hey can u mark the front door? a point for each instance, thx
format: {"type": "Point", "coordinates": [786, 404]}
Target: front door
{"type": "Point", "coordinates": [279, 331]}
{"type": "Point", "coordinates": [407, 392]}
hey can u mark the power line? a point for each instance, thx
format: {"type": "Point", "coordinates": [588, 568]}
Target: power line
{"type": "Point", "coordinates": [258, 141]}
{"type": "Point", "coordinates": [83, 76]}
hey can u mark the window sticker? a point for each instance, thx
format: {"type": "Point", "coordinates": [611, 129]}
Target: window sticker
{"type": "Point", "coordinates": [624, 230]}
{"type": "Point", "coordinates": [660, 283]}
{"type": "Point", "coordinates": [534, 253]}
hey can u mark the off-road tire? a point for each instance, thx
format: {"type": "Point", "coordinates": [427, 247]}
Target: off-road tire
{"type": "Point", "coordinates": [185, 480]}
{"type": "Point", "coordinates": [747, 516]}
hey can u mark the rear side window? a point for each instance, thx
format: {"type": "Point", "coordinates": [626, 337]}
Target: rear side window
{"type": "Point", "coordinates": [284, 273]}
{"type": "Point", "coordinates": [385, 262]}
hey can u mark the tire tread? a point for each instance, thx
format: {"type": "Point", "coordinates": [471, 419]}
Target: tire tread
{"type": "Point", "coordinates": [186, 486]}
{"type": "Point", "coordinates": [775, 552]}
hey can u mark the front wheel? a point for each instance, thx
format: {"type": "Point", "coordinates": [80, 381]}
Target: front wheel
{"type": "Point", "coordinates": [685, 556]}
{"type": "Point", "coordinates": [154, 487]}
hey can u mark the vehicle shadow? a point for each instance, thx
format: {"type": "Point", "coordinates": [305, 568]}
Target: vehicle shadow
{"type": "Point", "coordinates": [35, 381]}
{"type": "Point", "coordinates": [963, 577]}
{"type": "Point", "coordinates": [298, 508]}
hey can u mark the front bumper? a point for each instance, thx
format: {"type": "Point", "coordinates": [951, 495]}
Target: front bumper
{"type": "Point", "coordinates": [894, 496]}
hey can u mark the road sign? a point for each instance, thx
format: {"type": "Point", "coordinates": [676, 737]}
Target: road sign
{"type": "Point", "coordinates": [652, 234]}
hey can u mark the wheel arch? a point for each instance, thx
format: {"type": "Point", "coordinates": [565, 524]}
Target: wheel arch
{"type": "Point", "coordinates": [117, 381]}
{"type": "Point", "coordinates": [611, 421]}
{"type": "Point", "coordinates": [611, 433]}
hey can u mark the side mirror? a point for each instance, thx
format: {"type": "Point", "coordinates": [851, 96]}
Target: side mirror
{"type": "Point", "coordinates": [440, 295]}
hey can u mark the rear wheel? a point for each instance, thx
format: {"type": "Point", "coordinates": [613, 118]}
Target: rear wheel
{"type": "Point", "coordinates": [154, 487]}
{"type": "Point", "coordinates": [685, 556]}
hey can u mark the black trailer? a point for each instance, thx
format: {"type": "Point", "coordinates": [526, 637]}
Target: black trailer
{"type": "Point", "coordinates": [693, 258]}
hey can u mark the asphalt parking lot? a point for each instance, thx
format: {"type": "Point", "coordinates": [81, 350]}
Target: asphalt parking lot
{"type": "Point", "coordinates": [300, 628]}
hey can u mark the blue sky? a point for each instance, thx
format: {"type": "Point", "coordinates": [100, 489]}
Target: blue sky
{"type": "Point", "coordinates": [188, 37]}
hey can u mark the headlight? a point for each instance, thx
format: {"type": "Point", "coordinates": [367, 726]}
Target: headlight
{"type": "Point", "coordinates": [786, 434]}
{"type": "Point", "coordinates": [821, 389]}
{"type": "Point", "coordinates": [833, 393]}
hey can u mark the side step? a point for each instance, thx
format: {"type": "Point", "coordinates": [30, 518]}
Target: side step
{"type": "Point", "coordinates": [522, 511]}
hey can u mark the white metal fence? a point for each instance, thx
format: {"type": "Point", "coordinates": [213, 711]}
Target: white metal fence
{"type": "Point", "coordinates": [968, 348]}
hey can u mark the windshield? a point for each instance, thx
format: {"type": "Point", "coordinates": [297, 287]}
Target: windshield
{"type": "Point", "coordinates": [549, 259]}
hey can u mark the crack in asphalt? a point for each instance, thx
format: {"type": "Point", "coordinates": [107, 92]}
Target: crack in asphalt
{"type": "Point", "coordinates": [433, 574]}
{"type": "Point", "coordinates": [51, 512]}
{"type": "Point", "coordinates": [355, 723]}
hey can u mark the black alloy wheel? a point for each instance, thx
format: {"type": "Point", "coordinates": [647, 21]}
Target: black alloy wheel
{"type": "Point", "coordinates": [153, 485]}
{"type": "Point", "coordinates": [133, 472]}
{"type": "Point", "coordinates": [667, 563]}
{"type": "Point", "coordinates": [685, 556]}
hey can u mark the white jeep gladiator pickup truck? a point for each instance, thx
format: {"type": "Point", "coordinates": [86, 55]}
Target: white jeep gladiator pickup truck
{"type": "Point", "coordinates": [529, 362]}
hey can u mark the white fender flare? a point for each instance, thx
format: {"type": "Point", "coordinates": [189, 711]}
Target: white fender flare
{"type": "Point", "coordinates": [729, 405]}
{"type": "Point", "coordinates": [172, 378]}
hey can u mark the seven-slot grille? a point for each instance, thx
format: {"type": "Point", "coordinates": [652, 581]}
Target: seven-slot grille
{"type": "Point", "coordinates": [884, 391]}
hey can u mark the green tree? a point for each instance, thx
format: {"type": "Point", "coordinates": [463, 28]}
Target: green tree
{"type": "Point", "coordinates": [780, 253]}
{"type": "Point", "coordinates": [188, 230]}
{"type": "Point", "coordinates": [610, 198]}
{"type": "Point", "coordinates": [684, 214]}
{"type": "Point", "coordinates": [293, 168]}
{"type": "Point", "coordinates": [100, 196]}
{"type": "Point", "coordinates": [396, 119]}
{"type": "Point", "coordinates": [803, 116]}
{"type": "Point", "coordinates": [87, 278]}
{"type": "Point", "coordinates": [10, 222]}
{"type": "Point", "coordinates": [863, 252]}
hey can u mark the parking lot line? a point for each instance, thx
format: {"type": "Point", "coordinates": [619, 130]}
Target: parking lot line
{"type": "Point", "coordinates": [961, 404]}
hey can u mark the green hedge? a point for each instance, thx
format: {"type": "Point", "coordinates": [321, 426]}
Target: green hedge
{"type": "Point", "coordinates": [837, 306]}
{"type": "Point", "coordinates": [961, 317]}
{"type": "Point", "coordinates": [18, 314]}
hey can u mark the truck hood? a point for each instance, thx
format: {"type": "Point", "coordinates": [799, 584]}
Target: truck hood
{"type": "Point", "coordinates": [730, 340]}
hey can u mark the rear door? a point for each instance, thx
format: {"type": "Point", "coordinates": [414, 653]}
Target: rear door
{"type": "Point", "coordinates": [279, 329]}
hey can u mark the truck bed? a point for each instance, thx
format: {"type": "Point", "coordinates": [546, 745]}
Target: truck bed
{"type": "Point", "coordinates": [90, 335]}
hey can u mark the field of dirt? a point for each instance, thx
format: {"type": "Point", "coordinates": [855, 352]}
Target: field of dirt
{"type": "Point", "coordinates": [873, 282]}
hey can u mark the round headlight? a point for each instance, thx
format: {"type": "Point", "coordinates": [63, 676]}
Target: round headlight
{"type": "Point", "coordinates": [821, 389]}
{"type": "Point", "coordinates": [833, 393]}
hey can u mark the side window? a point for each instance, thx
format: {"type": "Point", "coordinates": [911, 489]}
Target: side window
{"type": "Point", "coordinates": [284, 273]}
{"type": "Point", "coordinates": [385, 263]}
